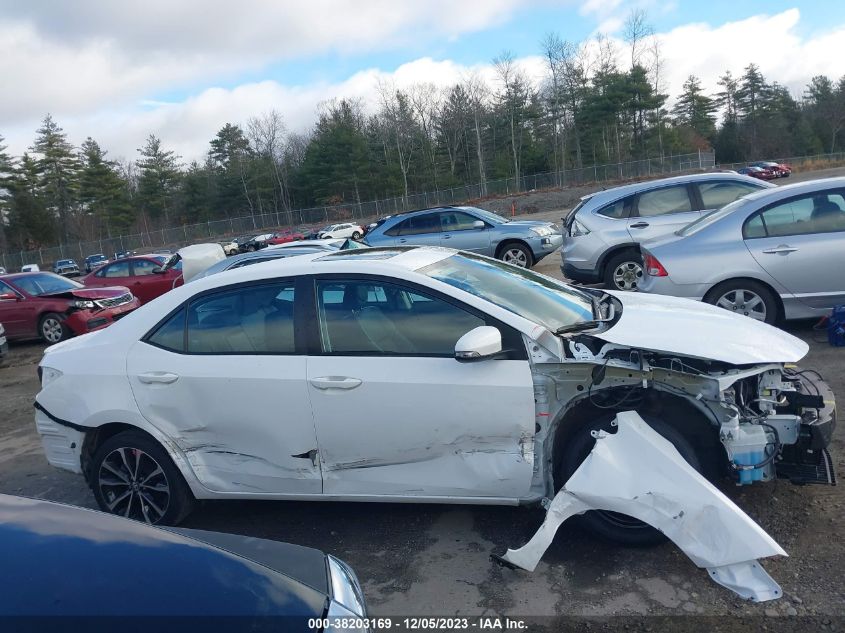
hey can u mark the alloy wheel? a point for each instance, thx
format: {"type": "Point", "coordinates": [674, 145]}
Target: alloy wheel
{"type": "Point", "coordinates": [516, 257]}
{"type": "Point", "coordinates": [744, 302]}
{"type": "Point", "coordinates": [134, 485]}
{"type": "Point", "coordinates": [52, 330]}
{"type": "Point", "coordinates": [627, 276]}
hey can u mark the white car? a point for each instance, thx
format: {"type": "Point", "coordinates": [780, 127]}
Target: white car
{"type": "Point", "coordinates": [414, 374]}
{"type": "Point", "coordinates": [30, 268]}
{"type": "Point", "coordinates": [347, 229]}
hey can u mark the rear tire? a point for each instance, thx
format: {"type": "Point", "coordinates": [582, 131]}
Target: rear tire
{"type": "Point", "coordinates": [133, 476]}
{"type": "Point", "coordinates": [356, 235]}
{"type": "Point", "coordinates": [624, 271]}
{"type": "Point", "coordinates": [613, 526]}
{"type": "Point", "coordinates": [52, 328]}
{"type": "Point", "coordinates": [746, 297]}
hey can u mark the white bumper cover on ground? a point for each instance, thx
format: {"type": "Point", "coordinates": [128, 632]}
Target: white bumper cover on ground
{"type": "Point", "coordinates": [639, 473]}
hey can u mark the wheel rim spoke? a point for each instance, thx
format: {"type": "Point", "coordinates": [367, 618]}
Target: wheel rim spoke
{"type": "Point", "coordinates": [116, 472]}
{"type": "Point", "coordinates": [117, 500]}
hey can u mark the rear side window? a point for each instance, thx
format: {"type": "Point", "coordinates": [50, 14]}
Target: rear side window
{"type": "Point", "coordinates": [420, 224]}
{"type": "Point", "coordinates": [171, 334]}
{"type": "Point", "coordinates": [256, 319]}
{"type": "Point", "coordinates": [618, 209]}
{"type": "Point", "coordinates": [715, 195]}
{"type": "Point", "coordinates": [664, 201]}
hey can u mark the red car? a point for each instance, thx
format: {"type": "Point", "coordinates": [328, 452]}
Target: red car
{"type": "Point", "coordinates": [52, 307]}
{"type": "Point", "coordinates": [282, 237]}
{"type": "Point", "coordinates": [758, 172]}
{"type": "Point", "coordinates": [142, 274]}
{"type": "Point", "coordinates": [780, 170]}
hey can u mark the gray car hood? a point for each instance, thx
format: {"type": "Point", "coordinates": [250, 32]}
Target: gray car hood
{"type": "Point", "coordinates": [692, 328]}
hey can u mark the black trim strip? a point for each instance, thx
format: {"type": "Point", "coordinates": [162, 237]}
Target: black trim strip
{"type": "Point", "coordinates": [71, 425]}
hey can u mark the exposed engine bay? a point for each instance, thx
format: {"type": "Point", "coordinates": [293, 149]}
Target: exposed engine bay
{"type": "Point", "coordinates": [767, 420]}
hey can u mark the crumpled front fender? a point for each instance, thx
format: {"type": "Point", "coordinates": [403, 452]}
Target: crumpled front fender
{"type": "Point", "coordinates": [638, 472]}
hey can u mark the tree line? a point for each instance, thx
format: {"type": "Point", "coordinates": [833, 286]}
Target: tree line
{"type": "Point", "coordinates": [597, 103]}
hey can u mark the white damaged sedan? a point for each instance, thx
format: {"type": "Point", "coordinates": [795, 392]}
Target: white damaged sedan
{"type": "Point", "coordinates": [417, 375]}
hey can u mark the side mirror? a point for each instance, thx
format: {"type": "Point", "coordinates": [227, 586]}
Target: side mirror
{"type": "Point", "coordinates": [8, 296]}
{"type": "Point", "coordinates": [478, 224]}
{"type": "Point", "coordinates": [482, 343]}
{"type": "Point", "coordinates": [158, 270]}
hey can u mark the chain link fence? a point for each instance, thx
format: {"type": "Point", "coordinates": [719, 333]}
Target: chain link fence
{"type": "Point", "coordinates": [217, 230]}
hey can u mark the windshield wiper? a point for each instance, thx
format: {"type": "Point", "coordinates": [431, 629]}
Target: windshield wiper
{"type": "Point", "coordinates": [590, 324]}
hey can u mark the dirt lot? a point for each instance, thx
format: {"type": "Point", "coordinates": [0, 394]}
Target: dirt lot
{"type": "Point", "coordinates": [431, 559]}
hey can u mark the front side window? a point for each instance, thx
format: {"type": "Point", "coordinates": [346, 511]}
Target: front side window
{"type": "Point", "coordinates": [141, 267]}
{"type": "Point", "coordinates": [375, 318]}
{"type": "Point", "coordinates": [457, 221]}
{"type": "Point", "coordinates": [118, 269]}
{"type": "Point", "coordinates": [255, 319]}
{"type": "Point", "coordinates": [664, 201]}
{"type": "Point", "coordinates": [715, 195]}
{"type": "Point", "coordinates": [813, 213]}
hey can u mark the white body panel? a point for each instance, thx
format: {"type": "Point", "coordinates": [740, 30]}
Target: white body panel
{"type": "Point", "coordinates": [238, 419]}
{"type": "Point", "coordinates": [423, 426]}
{"type": "Point", "coordinates": [683, 326]}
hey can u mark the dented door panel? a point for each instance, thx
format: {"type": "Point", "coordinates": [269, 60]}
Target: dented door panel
{"type": "Point", "coordinates": [243, 422]}
{"type": "Point", "coordinates": [424, 427]}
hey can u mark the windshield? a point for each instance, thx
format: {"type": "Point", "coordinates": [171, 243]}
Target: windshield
{"type": "Point", "coordinates": [64, 262]}
{"type": "Point", "coordinates": [714, 216]}
{"type": "Point", "coordinates": [45, 283]}
{"type": "Point", "coordinates": [540, 299]}
{"type": "Point", "coordinates": [494, 218]}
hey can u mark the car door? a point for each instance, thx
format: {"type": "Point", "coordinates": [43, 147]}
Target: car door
{"type": "Point", "coordinates": [396, 414]}
{"type": "Point", "coordinates": [660, 212]}
{"type": "Point", "coordinates": [115, 274]}
{"type": "Point", "coordinates": [17, 315]}
{"type": "Point", "coordinates": [801, 243]}
{"type": "Point", "coordinates": [147, 285]}
{"type": "Point", "coordinates": [418, 230]}
{"type": "Point", "coordinates": [458, 230]}
{"type": "Point", "coordinates": [224, 378]}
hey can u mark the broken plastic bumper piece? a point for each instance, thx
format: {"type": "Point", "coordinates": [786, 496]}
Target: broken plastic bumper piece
{"type": "Point", "coordinates": [637, 472]}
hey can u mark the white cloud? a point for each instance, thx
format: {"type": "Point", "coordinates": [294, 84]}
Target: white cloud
{"type": "Point", "coordinates": [103, 86]}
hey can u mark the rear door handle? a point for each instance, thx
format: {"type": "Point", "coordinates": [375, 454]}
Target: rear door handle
{"type": "Point", "coordinates": [158, 377]}
{"type": "Point", "coordinates": [402, 240]}
{"type": "Point", "coordinates": [780, 249]}
{"type": "Point", "coordinates": [446, 237]}
{"type": "Point", "coordinates": [335, 382]}
{"type": "Point", "coordinates": [639, 225]}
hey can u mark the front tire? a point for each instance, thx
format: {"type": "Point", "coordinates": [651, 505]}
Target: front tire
{"type": "Point", "coordinates": [356, 235]}
{"type": "Point", "coordinates": [517, 254]}
{"type": "Point", "coordinates": [613, 526]}
{"type": "Point", "coordinates": [746, 297]}
{"type": "Point", "coordinates": [624, 271]}
{"type": "Point", "coordinates": [133, 476]}
{"type": "Point", "coordinates": [52, 328]}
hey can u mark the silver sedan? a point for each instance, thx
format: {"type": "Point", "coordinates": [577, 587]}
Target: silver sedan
{"type": "Point", "coordinates": [779, 253]}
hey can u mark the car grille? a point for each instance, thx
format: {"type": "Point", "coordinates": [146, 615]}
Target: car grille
{"type": "Point", "coordinates": [114, 302]}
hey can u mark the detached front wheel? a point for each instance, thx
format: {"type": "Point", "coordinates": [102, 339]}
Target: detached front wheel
{"type": "Point", "coordinates": [614, 526]}
{"type": "Point", "coordinates": [133, 476]}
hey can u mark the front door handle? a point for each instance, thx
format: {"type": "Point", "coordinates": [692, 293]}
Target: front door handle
{"type": "Point", "coordinates": [335, 382]}
{"type": "Point", "coordinates": [640, 225]}
{"type": "Point", "coordinates": [780, 249]}
{"type": "Point", "coordinates": [158, 377]}
{"type": "Point", "coordinates": [402, 240]}
{"type": "Point", "coordinates": [445, 237]}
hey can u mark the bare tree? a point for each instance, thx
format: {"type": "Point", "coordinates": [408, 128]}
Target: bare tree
{"type": "Point", "coordinates": [397, 116]}
{"type": "Point", "coordinates": [636, 32]}
{"type": "Point", "coordinates": [267, 133]}
{"type": "Point", "coordinates": [477, 94]}
{"type": "Point", "coordinates": [425, 100]}
{"type": "Point", "coordinates": [511, 79]}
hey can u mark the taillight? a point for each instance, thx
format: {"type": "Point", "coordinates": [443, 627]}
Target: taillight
{"type": "Point", "coordinates": [653, 267]}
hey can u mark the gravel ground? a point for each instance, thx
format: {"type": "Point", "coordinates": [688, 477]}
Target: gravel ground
{"type": "Point", "coordinates": [434, 560]}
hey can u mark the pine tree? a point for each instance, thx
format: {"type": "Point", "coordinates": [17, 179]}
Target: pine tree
{"type": "Point", "coordinates": [695, 109]}
{"type": "Point", "coordinates": [158, 180]}
{"type": "Point", "coordinates": [59, 168]}
{"type": "Point", "coordinates": [102, 191]}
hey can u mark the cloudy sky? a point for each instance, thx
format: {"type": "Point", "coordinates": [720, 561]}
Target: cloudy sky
{"type": "Point", "coordinates": [117, 71]}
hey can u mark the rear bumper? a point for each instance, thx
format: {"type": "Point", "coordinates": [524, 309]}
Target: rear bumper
{"type": "Point", "coordinates": [577, 274]}
{"type": "Point", "coordinates": [62, 444]}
